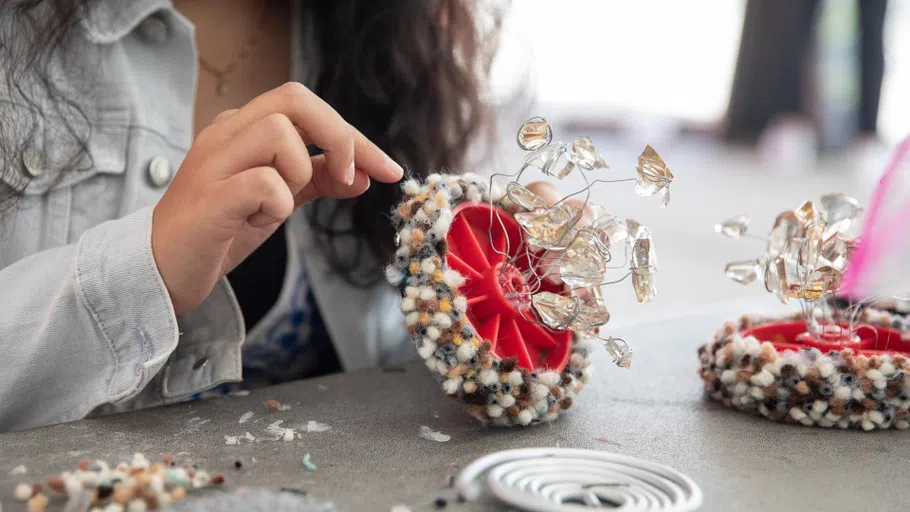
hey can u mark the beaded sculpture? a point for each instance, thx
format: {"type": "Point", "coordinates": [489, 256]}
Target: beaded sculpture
{"type": "Point", "coordinates": [500, 290]}
{"type": "Point", "coordinates": [842, 362]}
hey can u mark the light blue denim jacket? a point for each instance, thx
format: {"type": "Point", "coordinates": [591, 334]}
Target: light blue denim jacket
{"type": "Point", "coordinates": [86, 323]}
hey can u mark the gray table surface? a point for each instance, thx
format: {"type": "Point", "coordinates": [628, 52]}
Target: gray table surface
{"type": "Point", "coordinates": [374, 458]}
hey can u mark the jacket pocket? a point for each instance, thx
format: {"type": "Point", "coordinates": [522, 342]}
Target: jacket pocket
{"type": "Point", "coordinates": [48, 153]}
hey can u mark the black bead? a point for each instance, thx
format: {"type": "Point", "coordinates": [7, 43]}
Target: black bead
{"type": "Point", "coordinates": [104, 491]}
{"type": "Point", "coordinates": [791, 382]}
{"type": "Point", "coordinates": [173, 463]}
{"type": "Point", "coordinates": [506, 388]}
{"type": "Point", "coordinates": [826, 389]}
{"type": "Point", "coordinates": [238, 464]}
{"type": "Point", "coordinates": [440, 502]}
{"type": "Point", "coordinates": [848, 379]}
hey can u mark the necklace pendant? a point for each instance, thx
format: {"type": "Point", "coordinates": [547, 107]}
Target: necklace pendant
{"type": "Point", "coordinates": [223, 89]}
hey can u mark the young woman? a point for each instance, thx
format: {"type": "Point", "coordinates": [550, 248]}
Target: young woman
{"type": "Point", "coordinates": [174, 218]}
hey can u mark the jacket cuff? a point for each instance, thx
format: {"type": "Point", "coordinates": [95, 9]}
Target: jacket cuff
{"type": "Point", "coordinates": [120, 285]}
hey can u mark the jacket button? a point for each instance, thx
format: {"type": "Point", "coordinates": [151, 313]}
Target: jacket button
{"type": "Point", "coordinates": [31, 160]}
{"type": "Point", "coordinates": [160, 171]}
{"type": "Point", "coordinates": [154, 29]}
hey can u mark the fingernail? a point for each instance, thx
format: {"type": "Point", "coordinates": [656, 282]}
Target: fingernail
{"type": "Point", "coordinates": [395, 167]}
{"type": "Point", "coordinates": [349, 174]}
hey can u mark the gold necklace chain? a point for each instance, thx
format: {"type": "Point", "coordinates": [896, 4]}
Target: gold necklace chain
{"type": "Point", "coordinates": [220, 74]}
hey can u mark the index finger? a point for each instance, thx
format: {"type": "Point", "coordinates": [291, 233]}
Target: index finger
{"type": "Point", "coordinates": [319, 124]}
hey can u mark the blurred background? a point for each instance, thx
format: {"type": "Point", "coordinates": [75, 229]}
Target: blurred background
{"type": "Point", "coordinates": [756, 105]}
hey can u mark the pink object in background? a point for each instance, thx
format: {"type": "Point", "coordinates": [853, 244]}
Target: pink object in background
{"type": "Point", "coordinates": [879, 264]}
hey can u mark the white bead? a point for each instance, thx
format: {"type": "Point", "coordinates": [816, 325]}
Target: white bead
{"type": "Point", "coordinates": [525, 417]}
{"type": "Point", "coordinates": [540, 392]}
{"type": "Point", "coordinates": [741, 388]}
{"type": "Point", "coordinates": [586, 374]}
{"type": "Point", "coordinates": [442, 320]}
{"type": "Point", "coordinates": [23, 492]}
{"type": "Point", "coordinates": [887, 369]}
{"type": "Point", "coordinates": [514, 378]}
{"type": "Point", "coordinates": [879, 383]}
{"type": "Point", "coordinates": [411, 292]}
{"type": "Point", "coordinates": [774, 367]}
{"type": "Point", "coordinates": [113, 507]}
{"type": "Point", "coordinates": [488, 377]}
{"type": "Point", "coordinates": [427, 293]}
{"type": "Point", "coordinates": [140, 462]}
{"type": "Point", "coordinates": [867, 425]}
{"type": "Point", "coordinates": [728, 376]}
{"type": "Point", "coordinates": [89, 479]}
{"type": "Point", "coordinates": [393, 275]}
{"type": "Point", "coordinates": [820, 406]}
{"type": "Point", "coordinates": [441, 226]}
{"type": "Point", "coordinates": [757, 393]}
{"type": "Point", "coordinates": [470, 386]}
{"type": "Point", "coordinates": [825, 368]}
{"type": "Point", "coordinates": [426, 348]}
{"type": "Point", "coordinates": [433, 333]}
{"type": "Point", "coordinates": [136, 505]}
{"type": "Point", "coordinates": [549, 379]}
{"type": "Point", "coordinates": [876, 417]}
{"type": "Point", "coordinates": [465, 352]}
{"type": "Point", "coordinates": [427, 266]}
{"type": "Point", "coordinates": [507, 400]}
{"type": "Point", "coordinates": [411, 187]}
{"type": "Point", "coordinates": [156, 484]}
{"type": "Point", "coordinates": [762, 378]}
{"type": "Point", "coordinates": [842, 392]}
{"type": "Point", "coordinates": [408, 304]}
{"type": "Point", "coordinates": [411, 319]}
{"type": "Point", "coordinates": [451, 386]}
{"type": "Point", "coordinates": [874, 374]}
{"type": "Point", "coordinates": [901, 425]}
{"type": "Point", "coordinates": [453, 279]}
{"type": "Point", "coordinates": [71, 485]}
{"type": "Point", "coordinates": [461, 303]}
{"type": "Point", "coordinates": [494, 411]}
{"type": "Point", "coordinates": [858, 394]}
{"type": "Point", "coordinates": [796, 413]}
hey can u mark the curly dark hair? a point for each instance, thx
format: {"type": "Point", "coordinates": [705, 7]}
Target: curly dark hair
{"type": "Point", "coordinates": [409, 74]}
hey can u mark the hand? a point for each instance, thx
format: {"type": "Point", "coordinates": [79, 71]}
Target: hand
{"type": "Point", "coordinates": [244, 175]}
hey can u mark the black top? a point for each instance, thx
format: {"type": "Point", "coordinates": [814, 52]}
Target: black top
{"type": "Point", "coordinates": [258, 280]}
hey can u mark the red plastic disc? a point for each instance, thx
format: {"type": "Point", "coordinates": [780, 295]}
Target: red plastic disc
{"type": "Point", "coordinates": [482, 240]}
{"type": "Point", "coordinates": [868, 340]}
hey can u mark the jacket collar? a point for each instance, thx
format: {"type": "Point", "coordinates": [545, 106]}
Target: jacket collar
{"type": "Point", "coordinates": [106, 21]}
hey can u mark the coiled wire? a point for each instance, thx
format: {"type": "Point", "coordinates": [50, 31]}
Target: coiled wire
{"type": "Point", "coordinates": [566, 479]}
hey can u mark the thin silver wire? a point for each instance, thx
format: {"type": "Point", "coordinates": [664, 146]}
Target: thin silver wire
{"type": "Point", "coordinates": [533, 276]}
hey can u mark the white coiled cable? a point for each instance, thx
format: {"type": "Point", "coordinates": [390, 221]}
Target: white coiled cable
{"type": "Point", "coordinates": [566, 479]}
